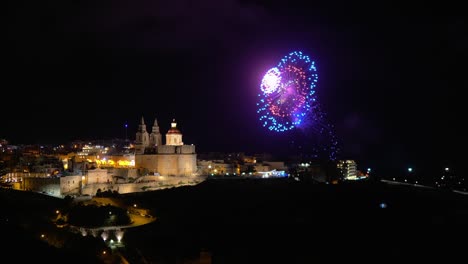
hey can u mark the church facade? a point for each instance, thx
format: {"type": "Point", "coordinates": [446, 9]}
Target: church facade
{"type": "Point", "coordinates": [171, 159]}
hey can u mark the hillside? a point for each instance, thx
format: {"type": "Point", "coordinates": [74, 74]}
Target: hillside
{"type": "Point", "coordinates": [283, 221]}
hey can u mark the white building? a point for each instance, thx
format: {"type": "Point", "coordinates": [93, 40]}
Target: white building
{"type": "Point", "coordinates": [348, 169]}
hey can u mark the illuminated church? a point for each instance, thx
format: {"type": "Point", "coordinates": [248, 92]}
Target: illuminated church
{"type": "Point", "coordinates": [172, 159]}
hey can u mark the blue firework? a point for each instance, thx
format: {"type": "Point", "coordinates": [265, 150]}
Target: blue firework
{"type": "Point", "coordinates": [287, 93]}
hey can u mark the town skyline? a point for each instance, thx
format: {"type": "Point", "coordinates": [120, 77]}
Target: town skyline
{"type": "Point", "coordinates": [389, 76]}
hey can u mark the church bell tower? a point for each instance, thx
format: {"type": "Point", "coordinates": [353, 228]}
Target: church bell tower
{"type": "Point", "coordinates": [142, 138]}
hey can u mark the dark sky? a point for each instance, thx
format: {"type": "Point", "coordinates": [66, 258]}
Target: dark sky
{"type": "Point", "coordinates": [392, 75]}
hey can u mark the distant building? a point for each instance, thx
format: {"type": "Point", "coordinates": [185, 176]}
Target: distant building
{"type": "Point", "coordinates": [98, 176]}
{"type": "Point", "coordinates": [172, 159]}
{"type": "Point", "coordinates": [217, 167]}
{"type": "Point", "coordinates": [275, 165]}
{"type": "Point", "coordinates": [347, 169]}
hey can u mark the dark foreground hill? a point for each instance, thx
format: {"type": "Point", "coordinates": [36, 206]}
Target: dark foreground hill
{"type": "Point", "coordinates": [257, 221]}
{"type": "Point", "coordinates": [29, 236]}
{"type": "Point", "coordinates": [284, 221]}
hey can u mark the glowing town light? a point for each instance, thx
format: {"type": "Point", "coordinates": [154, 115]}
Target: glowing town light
{"type": "Point", "coordinates": [104, 235]}
{"type": "Point", "coordinates": [123, 163]}
{"type": "Point", "coordinates": [410, 169]}
{"type": "Point", "coordinates": [119, 234]}
{"type": "Point", "coordinates": [446, 169]}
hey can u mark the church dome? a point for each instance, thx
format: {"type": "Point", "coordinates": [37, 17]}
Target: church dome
{"type": "Point", "coordinates": [174, 129]}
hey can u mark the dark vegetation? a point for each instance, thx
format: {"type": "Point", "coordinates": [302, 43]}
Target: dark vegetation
{"type": "Point", "coordinates": [107, 193]}
{"type": "Point", "coordinates": [254, 221]}
{"type": "Point", "coordinates": [284, 221]}
{"type": "Point", "coordinates": [29, 234]}
{"type": "Point", "coordinates": [97, 216]}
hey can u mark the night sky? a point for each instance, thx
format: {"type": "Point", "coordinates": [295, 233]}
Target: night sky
{"type": "Point", "coordinates": [391, 75]}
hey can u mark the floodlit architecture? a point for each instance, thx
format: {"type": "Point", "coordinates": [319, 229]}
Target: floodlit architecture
{"type": "Point", "coordinates": [153, 165]}
{"type": "Point", "coordinates": [172, 159]}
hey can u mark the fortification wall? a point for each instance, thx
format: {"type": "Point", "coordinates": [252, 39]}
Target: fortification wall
{"type": "Point", "coordinates": [155, 183]}
{"type": "Point", "coordinates": [47, 185]}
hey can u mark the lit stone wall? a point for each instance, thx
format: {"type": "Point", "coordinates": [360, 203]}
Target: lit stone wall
{"type": "Point", "coordinates": [166, 149]}
{"type": "Point", "coordinates": [168, 164]}
{"type": "Point", "coordinates": [47, 185]}
{"type": "Point", "coordinates": [91, 189]}
{"type": "Point", "coordinates": [125, 172]}
{"type": "Point", "coordinates": [187, 149]}
{"type": "Point", "coordinates": [184, 149]}
{"type": "Point", "coordinates": [149, 162]}
{"type": "Point", "coordinates": [70, 185]}
{"type": "Point", "coordinates": [98, 176]}
{"type": "Point", "coordinates": [187, 164]}
{"type": "Point", "coordinates": [152, 183]}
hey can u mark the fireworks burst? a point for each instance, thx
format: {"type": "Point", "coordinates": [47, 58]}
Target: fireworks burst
{"type": "Point", "coordinates": [287, 100]}
{"type": "Point", "coordinates": [287, 92]}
